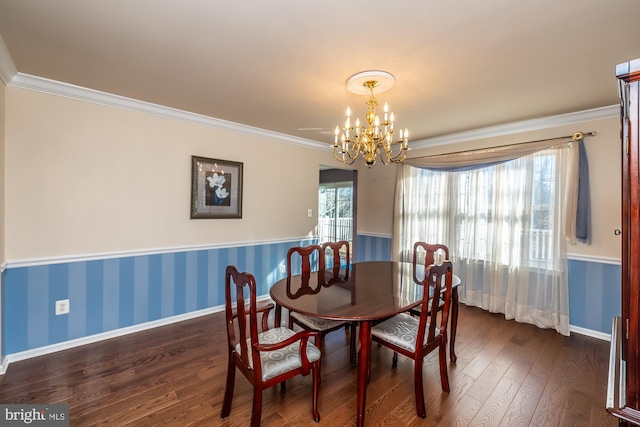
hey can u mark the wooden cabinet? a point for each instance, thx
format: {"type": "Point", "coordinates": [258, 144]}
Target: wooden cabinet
{"type": "Point", "coordinates": [623, 394]}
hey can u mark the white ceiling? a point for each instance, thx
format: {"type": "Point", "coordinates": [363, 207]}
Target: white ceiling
{"type": "Point", "coordinates": [282, 65]}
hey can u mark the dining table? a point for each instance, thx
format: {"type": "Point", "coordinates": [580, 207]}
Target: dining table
{"type": "Point", "coordinates": [371, 292]}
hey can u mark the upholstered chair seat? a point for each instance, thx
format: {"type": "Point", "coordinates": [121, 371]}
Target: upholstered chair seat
{"type": "Point", "coordinates": [315, 323]}
{"type": "Point", "coordinates": [400, 330]}
{"type": "Point", "coordinates": [282, 360]}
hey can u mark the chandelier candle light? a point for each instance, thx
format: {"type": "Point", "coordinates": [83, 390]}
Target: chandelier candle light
{"type": "Point", "coordinates": [376, 139]}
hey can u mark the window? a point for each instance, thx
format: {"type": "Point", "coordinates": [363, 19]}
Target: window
{"type": "Point", "coordinates": [335, 212]}
{"type": "Point", "coordinates": [503, 213]}
{"type": "Point", "coordinates": [506, 228]}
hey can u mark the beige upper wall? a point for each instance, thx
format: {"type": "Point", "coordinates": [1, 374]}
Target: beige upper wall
{"type": "Point", "coordinates": [83, 178]}
{"type": "Point", "coordinates": [604, 154]}
{"type": "Point", "coordinates": [376, 190]}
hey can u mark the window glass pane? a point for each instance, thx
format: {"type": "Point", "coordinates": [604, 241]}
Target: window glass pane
{"type": "Point", "coordinates": [335, 212]}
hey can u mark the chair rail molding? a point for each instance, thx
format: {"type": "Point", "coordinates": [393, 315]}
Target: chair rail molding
{"type": "Point", "coordinates": [31, 262]}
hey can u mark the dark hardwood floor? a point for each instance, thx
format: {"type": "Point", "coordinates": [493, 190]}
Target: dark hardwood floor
{"type": "Point", "coordinates": [507, 374]}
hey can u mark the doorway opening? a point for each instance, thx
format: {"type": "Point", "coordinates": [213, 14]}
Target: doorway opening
{"type": "Point", "coordinates": [335, 213]}
{"type": "Point", "coordinates": [337, 206]}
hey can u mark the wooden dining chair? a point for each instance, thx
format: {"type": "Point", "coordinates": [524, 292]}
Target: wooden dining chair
{"type": "Point", "coordinates": [416, 337]}
{"type": "Point", "coordinates": [265, 356]}
{"type": "Point", "coordinates": [424, 254]}
{"type": "Point", "coordinates": [306, 256]}
{"type": "Point", "coordinates": [337, 271]}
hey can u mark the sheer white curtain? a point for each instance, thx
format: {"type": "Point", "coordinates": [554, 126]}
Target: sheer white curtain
{"type": "Point", "coordinates": [505, 228]}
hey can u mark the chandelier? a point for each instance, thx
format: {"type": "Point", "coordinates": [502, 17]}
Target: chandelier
{"type": "Point", "coordinates": [374, 138]}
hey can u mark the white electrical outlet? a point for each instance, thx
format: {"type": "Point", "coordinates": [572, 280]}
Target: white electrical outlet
{"type": "Point", "coordinates": [283, 269]}
{"type": "Point", "coordinates": [62, 306]}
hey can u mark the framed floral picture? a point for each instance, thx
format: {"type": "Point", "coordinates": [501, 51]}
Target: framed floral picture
{"type": "Point", "coordinates": [216, 188]}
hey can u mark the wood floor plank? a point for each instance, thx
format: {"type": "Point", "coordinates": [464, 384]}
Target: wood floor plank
{"type": "Point", "coordinates": [497, 404]}
{"type": "Point", "coordinates": [576, 411]}
{"type": "Point", "coordinates": [440, 404]}
{"type": "Point", "coordinates": [524, 403]}
{"type": "Point", "coordinates": [550, 406]}
{"type": "Point", "coordinates": [462, 412]}
{"type": "Point", "coordinates": [483, 387]}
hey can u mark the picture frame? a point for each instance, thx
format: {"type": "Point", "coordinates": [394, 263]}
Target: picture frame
{"type": "Point", "coordinates": [216, 188]}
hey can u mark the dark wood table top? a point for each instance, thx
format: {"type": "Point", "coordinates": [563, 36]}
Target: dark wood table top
{"type": "Point", "coordinates": [374, 290]}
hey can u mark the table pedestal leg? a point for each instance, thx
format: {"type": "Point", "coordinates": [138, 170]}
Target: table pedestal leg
{"type": "Point", "coordinates": [454, 324]}
{"type": "Point", "coordinates": [278, 316]}
{"type": "Point", "coordinates": [353, 350]}
{"type": "Point", "coordinates": [364, 361]}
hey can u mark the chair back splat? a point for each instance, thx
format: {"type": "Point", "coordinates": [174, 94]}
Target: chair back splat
{"type": "Point", "coordinates": [340, 260]}
{"type": "Point", "coordinates": [437, 283]}
{"type": "Point", "coordinates": [429, 250]}
{"type": "Point", "coordinates": [265, 356]}
{"type": "Point", "coordinates": [306, 256]}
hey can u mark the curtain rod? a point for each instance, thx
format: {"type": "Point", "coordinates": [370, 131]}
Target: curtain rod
{"type": "Point", "coordinates": [575, 137]}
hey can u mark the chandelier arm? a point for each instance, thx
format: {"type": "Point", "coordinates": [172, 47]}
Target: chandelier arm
{"type": "Point", "coordinates": [398, 157]}
{"type": "Point", "coordinates": [401, 156]}
{"type": "Point", "coordinates": [348, 160]}
{"type": "Point", "coordinates": [354, 150]}
{"type": "Point", "coordinates": [385, 162]}
{"type": "Point", "coordinates": [387, 147]}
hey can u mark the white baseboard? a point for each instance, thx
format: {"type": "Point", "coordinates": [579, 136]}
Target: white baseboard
{"type": "Point", "coordinates": [590, 333]}
{"type": "Point", "coordinates": [4, 365]}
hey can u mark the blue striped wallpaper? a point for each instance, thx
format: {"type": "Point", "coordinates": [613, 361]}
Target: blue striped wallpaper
{"type": "Point", "coordinates": [595, 294]}
{"type": "Point", "coordinates": [114, 293]}
{"type": "Point", "coordinates": [372, 248]}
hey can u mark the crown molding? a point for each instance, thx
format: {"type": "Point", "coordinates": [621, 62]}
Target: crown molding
{"type": "Point", "coordinates": [26, 81]}
{"type": "Point", "coordinates": [7, 67]}
{"type": "Point", "coordinates": [609, 112]}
